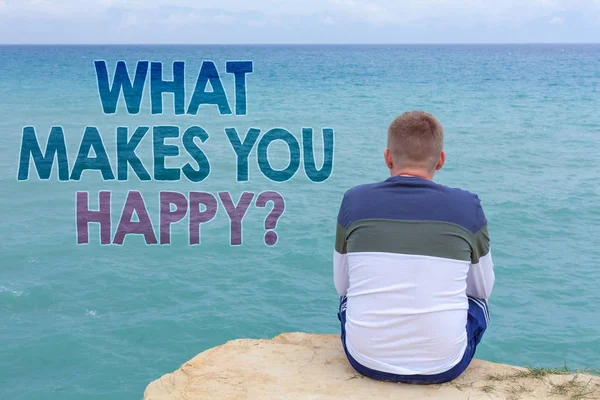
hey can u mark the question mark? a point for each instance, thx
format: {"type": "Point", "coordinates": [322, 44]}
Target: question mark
{"type": "Point", "coordinates": [276, 212]}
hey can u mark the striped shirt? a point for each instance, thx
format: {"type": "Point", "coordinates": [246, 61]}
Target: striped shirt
{"type": "Point", "coordinates": [408, 251]}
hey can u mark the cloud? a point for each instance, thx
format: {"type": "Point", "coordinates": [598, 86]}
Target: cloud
{"type": "Point", "coordinates": [178, 18]}
{"type": "Point", "coordinates": [240, 21]}
{"type": "Point", "coordinates": [224, 19]}
{"type": "Point", "coordinates": [327, 20]}
{"type": "Point", "coordinates": [129, 21]}
{"type": "Point", "coordinates": [255, 23]}
{"type": "Point", "coordinates": [375, 12]}
{"type": "Point", "coordinates": [371, 12]}
{"type": "Point", "coordinates": [556, 21]}
{"type": "Point", "coordinates": [458, 12]}
{"type": "Point", "coordinates": [171, 19]}
{"type": "Point", "coordinates": [56, 9]}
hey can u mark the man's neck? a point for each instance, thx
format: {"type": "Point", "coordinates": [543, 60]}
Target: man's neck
{"type": "Point", "coordinates": [413, 173]}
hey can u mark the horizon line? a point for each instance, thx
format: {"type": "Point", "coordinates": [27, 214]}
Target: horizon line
{"type": "Point", "coordinates": [307, 44]}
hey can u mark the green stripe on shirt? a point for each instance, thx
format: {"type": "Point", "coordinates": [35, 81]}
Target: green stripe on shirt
{"type": "Point", "coordinates": [426, 238]}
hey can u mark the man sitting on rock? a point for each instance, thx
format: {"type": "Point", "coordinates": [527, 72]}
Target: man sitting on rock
{"type": "Point", "coordinates": [412, 264]}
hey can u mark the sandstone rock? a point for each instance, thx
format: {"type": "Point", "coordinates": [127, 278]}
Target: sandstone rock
{"type": "Point", "coordinates": [300, 366]}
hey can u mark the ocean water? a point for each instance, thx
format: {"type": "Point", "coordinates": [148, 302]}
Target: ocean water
{"type": "Point", "coordinates": [99, 321]}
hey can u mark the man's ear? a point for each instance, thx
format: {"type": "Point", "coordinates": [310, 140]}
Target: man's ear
{"type": "Point", "coordinates": [441, 161]}
{"type": "Point", "coordinates": [387, 156]}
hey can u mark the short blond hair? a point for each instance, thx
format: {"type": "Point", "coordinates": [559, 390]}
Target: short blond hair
{"type": "Point", "coordinates": [416, 139]}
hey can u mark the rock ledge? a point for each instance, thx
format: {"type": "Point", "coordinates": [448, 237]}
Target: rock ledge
{"type": "Point", "coordinates": [298, 366]}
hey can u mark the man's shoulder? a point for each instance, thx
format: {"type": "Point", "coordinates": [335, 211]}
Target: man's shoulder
{"type": "Point", "coordinates": [361, 189]}
{"type": "Point", "coordinates": [414, 200]}
{"type": "Point", "coordinates": [459, 193]}
{"type": "Point", "coordinates": [450, 192]}
{"type": "Point", "coordinates": [467, 207]}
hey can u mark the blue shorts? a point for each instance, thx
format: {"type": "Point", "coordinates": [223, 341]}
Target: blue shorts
{"type": "Point", "coordinates": [477, 322]}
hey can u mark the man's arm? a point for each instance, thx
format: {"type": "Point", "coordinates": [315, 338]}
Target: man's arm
{"type": "Point", "coordinates": [480, 278]}
{"type": "Point", "coordinates": [340, 256]}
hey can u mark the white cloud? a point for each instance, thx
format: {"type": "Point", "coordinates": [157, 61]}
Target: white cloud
{"type": "Point", "coordinates": [371, 12]}
{"type": "Point", "coordinates": [556, 21]}
{"type": "Point", "coordinates": [241, 20]}
{"type": "Point", "coordinates": [454, 12]}
{"type": "Point", "coordinates": [182, 18]}
{"type": "Point", "coordinates": [458, 12]}
{"type": "Point", "coordinates": [131, 21]}
{"type": "Point", "coordinates": [59, 9]}
{"type": "Point", "coordinates": [224, 19]}
{"type": "Point", "coordinates": [327, 20]}
{"type": "Point", "coordinates": [254, 23]}
{"type": "Point", "coordinates": [377, 12]}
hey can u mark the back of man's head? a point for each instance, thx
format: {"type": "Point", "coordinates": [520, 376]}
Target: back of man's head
{"type": "Point", "coordinates": [415, 140]}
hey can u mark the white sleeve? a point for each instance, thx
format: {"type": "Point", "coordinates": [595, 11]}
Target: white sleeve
{"type": "Point", "coordinates": [340, 272]}
{"type": "Point", "coordinates": [340, 254]}
{"type": "Point", "coordinates": [480, 278]}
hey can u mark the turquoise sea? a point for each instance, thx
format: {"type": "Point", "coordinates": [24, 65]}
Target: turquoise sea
{"type": "Point", "coordinates": [95, 321]}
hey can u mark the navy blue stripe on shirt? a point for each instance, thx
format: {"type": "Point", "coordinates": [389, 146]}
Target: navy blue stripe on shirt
{"type": "Point", "coordinates": [412, 199]}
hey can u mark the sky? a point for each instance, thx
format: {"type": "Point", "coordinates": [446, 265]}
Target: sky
{"type": "Point", "coordinates": [299, 21]}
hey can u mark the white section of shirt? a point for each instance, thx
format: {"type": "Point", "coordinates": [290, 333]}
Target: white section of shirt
{"type": "Point", "coordinates": [340, 272]}
{"type": "Point", "coordinates": [481, 277]}
{"type": "Point", "coordinates": [406, 314]}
